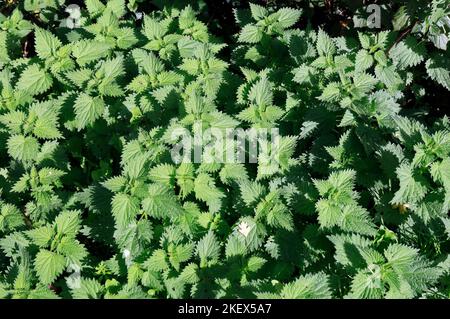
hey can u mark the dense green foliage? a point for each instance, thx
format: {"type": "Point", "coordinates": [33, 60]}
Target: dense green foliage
{"type": "Point", "coordinates": [93, 206]}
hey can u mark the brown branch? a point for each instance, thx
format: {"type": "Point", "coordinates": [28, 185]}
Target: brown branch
{"type": "Point", "coordinates": [25, 50]}
{"type": "Point", "coordinates": [402, 36]}
{"type": "Point", "coordinates": [27, 219]}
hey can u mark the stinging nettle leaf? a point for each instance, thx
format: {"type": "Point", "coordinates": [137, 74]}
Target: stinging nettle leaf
{"type": "Point", "coordinates": [250, 34]}
{"type": "Point", "coordinates": [287, 17]}
{"type": "Point", "coordinates": [46, 43]}
{"type": "Point", "coordinates": [23, 148]}
{"type": "Point", "coordinates": [88, 109]}
{"type": "Point", "coordinates": [49, 265]}
{"type": "Point", "coordinates": [89, 51]}
{"type": "Point", "coordinates": [34, 80]}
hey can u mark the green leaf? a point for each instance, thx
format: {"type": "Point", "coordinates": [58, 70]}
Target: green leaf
{"type": "Point", "coordinates": [440, 171]}
{"type": "Point", "coordinates": [48, 175]}
{"type": "Point", "coordinates": [86, 51]}
{"type": "Point", "coordinates": [43, 293]}
{"type": "Point", "coordinates": [88, 288]}
{"type": "Point", "coordinates": [331, 93]}
{"type": "Point", "coordinates": [185, 178]}
{"type": "Point", "coordinates": [163, 173]}
{"type": "Point", "coordinates": [68, 223]}
{"type": "Point", "coordinates": [46, 43]}
{"type": "Point", "coordinates": [34, 80]}
{"type": "Point", "coordinates": [251, 192]}
{"type": "Point", "coordinates": [136, 166]}
{"type": "Point", "coordinates": [79, 77]}
{"type": "Point", "coordinates": [47, 127]}
{"type": "Point", "coordinates": [304, 74]}
{"type": "Point", "coordinates": [310, 286]}
{"type": "Point", "coordinates": [41, 236]}
{"type": "Point", "coordinates": [280, 217]}
{"type": "Point", "coordinates": [124, 209]}
{"type": "Point", "coordinates": [325, 45]}
{"type": "Point", "coordinates": [250, 34]}
{"type": "Point", "coordinates": [115, 184]}
{"type": "Point", "coordinates": [49, 265]}
{"type": "Point", "coordinates": [149, 62]}
{"type": "Point", "coordinates": [356, 219]}
{"type": "Point", "coordinates": [13, 121]}
{"type": "Point", "coordinates": [126, 38]}
{"type": "Point", "coordinates": [258, 12]}
{"type": "Point", "coordinates": [408, 53]}
{"type": "Point", "coordinates": [437, 69]}
{"type": "Point", "coordinates": [364, 39]}
{"type": "Point", "coordinates": [255, 263]}
{"type": "Point", "coordinates": [401, 18]}
{"type": "Point", "coordinates": [23, 148]}
{"type": "Point", "coordinates": [116, 7]}
{"type": "Point", "coordinates": [367, 284]}
{"type": "Point", "coordinates": [208, 249]}
{"type": "Point", "coordinates": [363, 61]}
{"type": "Point", "coordinates": [10, 218]}
{"type": "Point", "coordinates": [206, 190]}
{"type": "Point", "coordinates": [400, 256]}
{"type": "Point", "coordinates": [72, 250]}
{"type": "Point", "coordinates": [157, 261]}
{"type": "Point", "coordinates": [153, 29]}
{"type": "Point", "coordinates": [161, 202]}
{"type": "Point", "coordinates": [88, 109]}
{"type": "Point", "coordinates": [180, 254]}
{"type": "Point", "coordinates": [329, 213]}
{"type": "Point", "coordinates": [233, 172]}
{"type": "Point", "coordinates": [364, 83]}
{"type": "Point", "coordinates": [287, 17]}
{"type": "Point", "coordinates": [413, 187]}
{"type": "Point", "coordinates": [187, 17]}
{"type": "Point", "coordinates": [261, 93]}
{"type": "Point", "coordinates": [189, 274]}
{"type": "Point", "coordinates": [389, 76]}
{"type": "Point", "coordinates": [94, 7]}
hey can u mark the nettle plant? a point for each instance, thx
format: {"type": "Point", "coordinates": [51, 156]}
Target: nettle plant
{"type": "Point", "coordinates": [351, 202]}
